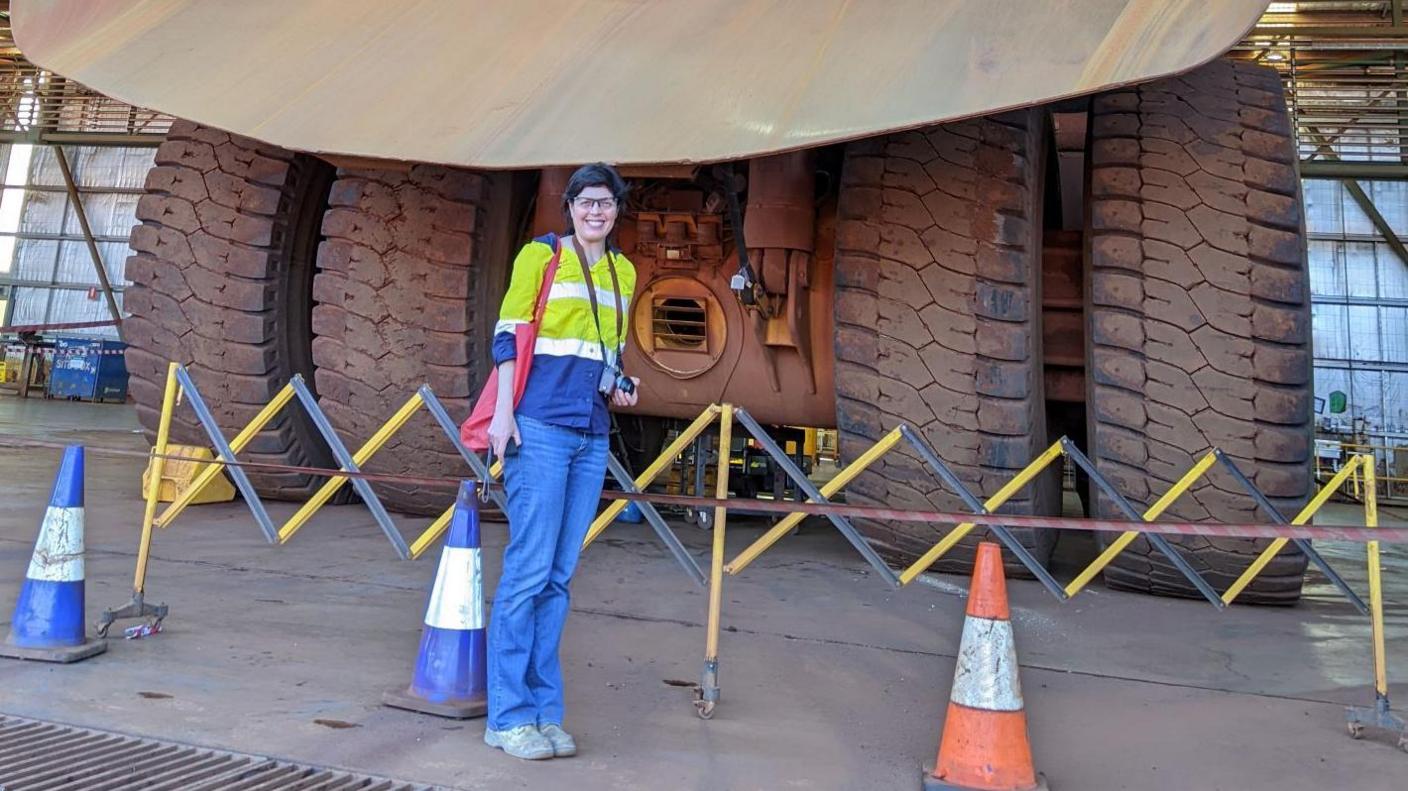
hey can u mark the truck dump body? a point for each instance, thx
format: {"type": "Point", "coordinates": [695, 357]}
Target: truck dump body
{"type": "Point", "coordinates": [551, 82]}
{"type": "Point", "coordinates": [353, 177]}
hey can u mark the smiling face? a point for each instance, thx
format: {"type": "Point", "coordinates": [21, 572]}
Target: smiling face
{"type": "Point", "coordinates": [594, 214]}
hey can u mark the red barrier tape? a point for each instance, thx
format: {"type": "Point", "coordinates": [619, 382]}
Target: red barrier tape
{"type": "Point", "coordinates": [1387, 535]}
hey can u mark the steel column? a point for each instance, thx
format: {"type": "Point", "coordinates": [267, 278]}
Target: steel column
{"type": "Point", "coordinates": [82, 215]}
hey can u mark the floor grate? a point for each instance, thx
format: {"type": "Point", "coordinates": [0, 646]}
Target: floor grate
{"type": "Point", "coordinates": [46, 756]}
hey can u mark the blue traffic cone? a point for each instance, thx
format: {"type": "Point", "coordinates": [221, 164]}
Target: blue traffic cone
{"type": "Point", "coordinates": [450, 678]}
{"type": "Point", "coordinates": [48, 623]}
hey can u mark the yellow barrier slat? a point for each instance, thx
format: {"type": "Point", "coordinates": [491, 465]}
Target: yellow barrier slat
{"type": "Point", "coordinates": [1376, 583]}
{"type": "Point", "coordinates": [1126, 538]}
{"type": "Point", "coordinates": [428, 538]}
{"type": "Point", "coordinates": [247, 434]}
{"type": "Point", "coordinates": [716, 576]}
{"type": "Point", "coordinates": [442, 523]}
{"type": "Point", "coordinates": [163, 431]}
{"type": "Point", "coordinates": [828, 490]}
{"type": "Point", "coordinates": [1320, 498]}
{"type": "Point", "coordinates": [325, 493]}
{"type": "Point", "coordinates": [994, 502]}
{"type": "Point", "coordinates": [663, 461]}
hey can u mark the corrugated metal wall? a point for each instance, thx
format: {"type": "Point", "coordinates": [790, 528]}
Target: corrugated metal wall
{"type": "Point", "coordinates": [42, 252]}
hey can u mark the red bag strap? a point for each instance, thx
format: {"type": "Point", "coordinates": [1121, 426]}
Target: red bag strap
{"type": "Point", "coordinates": [548, 276]}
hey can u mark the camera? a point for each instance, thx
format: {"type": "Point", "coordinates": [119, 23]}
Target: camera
{"type": "Point", "coordinates": [613, 379]}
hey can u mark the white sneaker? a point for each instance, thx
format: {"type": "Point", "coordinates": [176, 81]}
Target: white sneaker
{"type": "Point", "coordinates": [522, 742]}
{"type": "Point", "coordinates": [563, 745]}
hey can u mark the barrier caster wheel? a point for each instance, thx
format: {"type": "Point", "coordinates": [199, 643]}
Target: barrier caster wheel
{"type": "Point", "coordinates": [704, 519]}
{"type": "Point", "coordinates": [1356, 731]}
{"type": "Point", "coordinates": [1403, 742]}
{"type": "Point", "coordinates": [704, 708]}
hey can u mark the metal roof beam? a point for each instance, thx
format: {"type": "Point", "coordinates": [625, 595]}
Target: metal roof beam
{"type": "Point", "coordinates": [36, 137]}
{"type": "Point", "coordinates": [1339, 169]}
{"type": "Point", "coordinates": [1367, 204]}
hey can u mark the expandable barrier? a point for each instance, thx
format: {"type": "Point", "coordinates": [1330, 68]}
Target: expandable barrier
{"type": "Point", "coordinates": [180, 387]}
{"type": "Point", "coordinates": [1065, 448]}
{"type": "Point", "coordinates": [708, 692]}
{"type": "Point", "coordinates": [818, 500]}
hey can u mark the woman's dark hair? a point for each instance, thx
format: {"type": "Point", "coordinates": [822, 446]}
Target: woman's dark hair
{"type": "Point", "coordinates": [597, 174]}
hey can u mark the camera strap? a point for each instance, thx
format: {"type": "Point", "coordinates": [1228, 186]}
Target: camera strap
{"type": "Point", "coordinates": [591, 296]}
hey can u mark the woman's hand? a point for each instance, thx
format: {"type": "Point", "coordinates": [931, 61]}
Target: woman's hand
{"type": "Point", "coordinates": [619, 398]}
{"type": "Point", "coordinates": [502, 429]}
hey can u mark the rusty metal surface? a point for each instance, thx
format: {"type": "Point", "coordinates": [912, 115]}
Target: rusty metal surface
{"type": "Point", "coordinates": [741, 357]}
{"type": "Point", "coordinates": [1063, 316]}
{"type": "Point", "coordinates": [545, 82]}
{"type": "Point", "coordinates": [37, 755]}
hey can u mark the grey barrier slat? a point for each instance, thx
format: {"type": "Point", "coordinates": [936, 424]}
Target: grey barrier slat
{"type": "Point", "coordinates": [344, 460]}
{"type": "Point", "coordinates": [1156, 540]}
{"type": "Point", "coordinates": [222, 449]}
{"type": "Point", "coordinates": [481, 473]}
{"type": "Point", "coordinates": [976, 506]}
{"type": "Point", "coordinates": [814, 494]}
{"type": "Point", "coordinates": [1301, 544]}
{"type": "Point", "coordinates": [452, 431]}
{"type": "Point", "coordinates": [652, 516]}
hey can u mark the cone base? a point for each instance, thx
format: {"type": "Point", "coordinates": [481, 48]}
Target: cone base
{"type": "Point", "coordinates": [927, 782]}
{"type": "Point", "coordinates": [62, 654]}
{"type": "Point", "coordinates": [403, 698]}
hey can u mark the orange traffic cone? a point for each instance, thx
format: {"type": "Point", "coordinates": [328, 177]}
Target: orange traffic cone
{"type": "Point", "coordinates": [984, 746]}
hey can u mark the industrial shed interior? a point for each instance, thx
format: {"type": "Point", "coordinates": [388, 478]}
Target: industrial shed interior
{"type": "Point", "coordinates": [805, 529]}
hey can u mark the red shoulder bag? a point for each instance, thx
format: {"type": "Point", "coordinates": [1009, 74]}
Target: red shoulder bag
{"type": "Point", "coordinates": [474, 432]}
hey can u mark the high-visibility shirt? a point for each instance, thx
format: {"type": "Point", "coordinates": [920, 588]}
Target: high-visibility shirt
{"type": "Point", "coordinates": [567, 357]}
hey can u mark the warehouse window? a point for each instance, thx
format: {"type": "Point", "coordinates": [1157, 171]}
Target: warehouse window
{"type": "Point", "coordinates": [1359, 316]}
{"type": "Point", "coordinates": [44, 259]}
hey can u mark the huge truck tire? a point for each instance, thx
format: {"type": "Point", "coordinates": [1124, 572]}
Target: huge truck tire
{"type": "Point", "coordinates": [410, 274]}
{"type": "Point", "coordinates": [221, 282]}
{"type": "Point", "coordinates": [937, 311]}
{"type": "Point", "coordinates": [1198, 315]}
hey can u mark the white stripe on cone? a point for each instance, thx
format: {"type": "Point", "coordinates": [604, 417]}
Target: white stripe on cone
{"type": "Point", "coordinates": [58, 554]}
{"type": "Point", "coordinates": [986, 673]}
{"type": "Point", "coordinates": [457, 598]}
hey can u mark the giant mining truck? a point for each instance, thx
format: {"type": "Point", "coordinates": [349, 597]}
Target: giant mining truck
{"type": "Point", "coordinates": [998, 222]}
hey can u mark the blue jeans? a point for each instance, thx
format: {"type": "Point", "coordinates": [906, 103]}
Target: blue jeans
{"type": "Point", "coordinates": [554, 484]}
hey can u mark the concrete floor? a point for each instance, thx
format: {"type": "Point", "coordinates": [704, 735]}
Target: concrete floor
{"type": "Point", "coordinates": [830, 680]}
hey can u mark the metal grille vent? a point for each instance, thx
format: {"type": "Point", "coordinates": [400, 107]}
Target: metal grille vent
{"type": "Point", "coordinates": [43, 756]}
{"type": "Point", "coordinates": [680, 323]}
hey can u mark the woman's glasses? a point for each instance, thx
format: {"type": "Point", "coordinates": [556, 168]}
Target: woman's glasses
{"type": "Point", "coordinates": [591, 204]}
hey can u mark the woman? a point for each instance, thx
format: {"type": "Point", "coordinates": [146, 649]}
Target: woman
{"type": "Point", "coordinates": [554, 446]}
